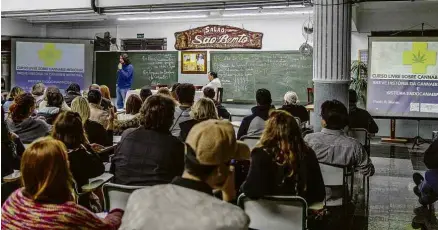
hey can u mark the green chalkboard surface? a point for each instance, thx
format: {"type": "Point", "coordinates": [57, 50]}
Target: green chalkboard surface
{"type": "Point", "coordinates": [150, 68]}
{"type": "Point", "coordinates": [242, 73]}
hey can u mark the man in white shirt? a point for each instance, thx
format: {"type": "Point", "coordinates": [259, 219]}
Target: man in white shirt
{"type": "Point", "coordinates": [215, 82]}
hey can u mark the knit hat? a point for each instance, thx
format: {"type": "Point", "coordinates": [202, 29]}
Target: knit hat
{"type": "Point", "coordinates": [291, 98]}
{"type": "Point", "coordinates": [214, 143]}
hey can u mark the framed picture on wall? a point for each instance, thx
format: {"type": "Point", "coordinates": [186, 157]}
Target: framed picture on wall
{"type": "Point", "coordinates": [193, 62]}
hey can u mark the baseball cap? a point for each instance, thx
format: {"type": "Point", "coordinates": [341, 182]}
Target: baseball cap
{"type": "Point", "coordinates": [214, 143]}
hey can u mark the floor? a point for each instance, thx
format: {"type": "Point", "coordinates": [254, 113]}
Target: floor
{"type": "Point", "coordinates": [391, 200]}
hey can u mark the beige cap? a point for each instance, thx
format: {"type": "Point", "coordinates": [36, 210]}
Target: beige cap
{"type": "Point", "coordinates": [214, 143]}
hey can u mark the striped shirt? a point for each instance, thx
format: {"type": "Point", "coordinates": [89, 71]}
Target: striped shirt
{"type": "Point", "coordinates": [20, 212]}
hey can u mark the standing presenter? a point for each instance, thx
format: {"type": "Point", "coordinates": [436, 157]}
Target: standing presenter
{"type": "Point", "coordinates": [125, 74]}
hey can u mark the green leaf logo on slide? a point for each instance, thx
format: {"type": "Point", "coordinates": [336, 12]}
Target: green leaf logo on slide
{"type": "Point", "coordinates": [419, 57]}
{"type": "Point", "coordinates": [49, 54]}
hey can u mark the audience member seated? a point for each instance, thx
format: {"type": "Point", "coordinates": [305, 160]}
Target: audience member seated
{"type": "Point", "coordinates": [47, 200]}
{"type": "Point", "coordinates": [11, 150]}
{"type": "Point", "coordinates": [427, 187]}
{"type": "Point", "coordinates": [15, 91]}
{"type": "Point", "coordinates": [150, 155]}
{"type": "Point", "coordinates": [72, 91]}
{"type": "Point", "coordinates": [186, 96]}
{"type": "Point", "coordinates": [38, 93]}
{"type": "Point", "coordinates": [106, 95]}
{"type": "Point", "coordinates": [20, 121]}
{"type": "Point", "coordinates": [164, 91]}
{"type": "Point", "coordinates": [97, 112]}
{"type": "Point", "coordinates": [120, 126]}
{"type": "Point", "coordinates": [332, 146]}
{"type": "Point", "coordinates": [202, 110]}
{"type": "Point", "coordinates": [84, 162]}
{"type": "Point", "coordinates": [53, 107]}
{"type": "Point", "coordinates": [173, 91]}
{"type": "Point", "coordinates": [290, 105]}
{"type": "Point", "coordinates": [52, 89]}
{"type": "Point", "coordinates": [94, 131]}
{"type": "Point", "coordinates": [254, 124]}
{"type": "Point", "coordinates": [105, 103]}
{"type": "Point", "coordinates": [221, 110]}
{"type": "Point", "coordinates": [360, 118]}
{"type": "Point", "coordinates": [133, 105]}
{"type": "Point", "coordinates": [188, 201]}
{"type": "Point", "coordinates": [282, 164]}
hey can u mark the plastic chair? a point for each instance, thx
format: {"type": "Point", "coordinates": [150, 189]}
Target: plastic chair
{"type": "Point", "coordinates": [251, 141]}
{"type": "Point", "coordinates": [117, 195]}
{"type": "Point", "coordinates": [335, 175]}
{"type": "Point", "coordinates": [275, 212]}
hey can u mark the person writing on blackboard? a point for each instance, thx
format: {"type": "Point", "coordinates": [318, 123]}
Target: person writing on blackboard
{"type": "Point", "coordinates": [125, 74]}
{"type": "Point", "coordinates": [214, 83]}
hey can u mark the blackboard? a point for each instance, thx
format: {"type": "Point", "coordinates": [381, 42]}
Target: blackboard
{"type": "Point", "coordinates": [242, 73]}
{"type": "Point", "coordinates": [150, 68]}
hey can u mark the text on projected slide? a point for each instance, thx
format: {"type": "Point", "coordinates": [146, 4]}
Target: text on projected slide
{"type": "Point", "coordinates": [403, 78]}
{"type": "Point", "coordinates": [58, 64]}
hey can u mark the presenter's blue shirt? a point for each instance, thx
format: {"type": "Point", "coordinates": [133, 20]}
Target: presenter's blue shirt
{"type": "Point", "coordinates": [125, 76]}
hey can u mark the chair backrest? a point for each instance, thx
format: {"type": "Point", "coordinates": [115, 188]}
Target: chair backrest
{"type": "Point", "coordinates": [251, 141]}
{"type": "Point", "coordinates": [334, 175]}
{"type": "Point", "coordinates": [275, 212]}
{"type": "Point", "coordinates": [116, 195]}
{"type": "Point", "coordinates": [219, 94]}
{"type": "Point", "coordinates": [362, 136]}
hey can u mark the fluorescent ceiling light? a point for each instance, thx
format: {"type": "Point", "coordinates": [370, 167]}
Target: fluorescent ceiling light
{"type": "Point", "coordinates": [163, 17]}
{"type": "Point", "coordinates": [267, 13]}
{"type": "Point", "coordinates": [153, 12]}
{"type": "Point", "coordinates": [283, 7]}
{"type": "Point", "coordinates": [65, 20]}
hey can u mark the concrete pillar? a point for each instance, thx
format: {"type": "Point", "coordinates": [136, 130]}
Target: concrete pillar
{"type": "Point", "coordinates": [331, 56]}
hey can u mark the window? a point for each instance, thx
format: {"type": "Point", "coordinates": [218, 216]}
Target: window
{"type": "Point", "coordinates": [144, 44]}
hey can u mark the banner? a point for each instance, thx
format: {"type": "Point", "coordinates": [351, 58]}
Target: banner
{"type": "Point", "coordinates": [58, 64]}
{"type": "Point", "coordinates": [403, 79]}
{"type": "Point", "coordinates": [217, 37]}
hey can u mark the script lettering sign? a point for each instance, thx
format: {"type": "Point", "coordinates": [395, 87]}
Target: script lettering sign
{"type": "Point", "coordinates": [218, 37]}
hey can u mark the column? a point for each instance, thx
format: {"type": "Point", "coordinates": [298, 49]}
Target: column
{"type": "Point", "coordinates": [331, 56]}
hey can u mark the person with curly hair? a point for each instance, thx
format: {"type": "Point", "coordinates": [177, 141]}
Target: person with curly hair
{"type": "Point", "coordinates": [20, 121]}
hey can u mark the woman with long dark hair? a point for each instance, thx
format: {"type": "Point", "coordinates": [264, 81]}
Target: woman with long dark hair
{"type": "Point", "coordinates": [282, 164]}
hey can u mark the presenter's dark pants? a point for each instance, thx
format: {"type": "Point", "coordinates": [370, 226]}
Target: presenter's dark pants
{"type": "Point", "coordinates": [121, 95]}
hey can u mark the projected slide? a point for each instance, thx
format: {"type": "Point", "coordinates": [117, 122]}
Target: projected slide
{"type": "Point", "coordinates": [58, 64]}
{"type": "Point", "coordinates": [403, 77]}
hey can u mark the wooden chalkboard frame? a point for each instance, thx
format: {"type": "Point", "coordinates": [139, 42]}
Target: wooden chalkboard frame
{"type": "Point", "coordinates": [183, 71]}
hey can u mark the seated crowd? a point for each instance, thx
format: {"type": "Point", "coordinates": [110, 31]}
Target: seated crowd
{"type": "Point", "coordinates": [185, 152]}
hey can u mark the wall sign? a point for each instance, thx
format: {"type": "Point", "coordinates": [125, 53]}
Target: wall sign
{"type": "Point", "coordinates": [218, 37]}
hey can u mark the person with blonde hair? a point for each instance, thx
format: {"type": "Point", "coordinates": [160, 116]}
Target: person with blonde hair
{"type": "Point", "coordinates": [282, 164]}
{"type": "Point", "coordinates": [291, 106]}
{"type": "Point", "coordinates": [204, 109]}
{"type": "Point", "coordinates": [94, 130]}
{"type": "Point", "coordinates": [47, 199]}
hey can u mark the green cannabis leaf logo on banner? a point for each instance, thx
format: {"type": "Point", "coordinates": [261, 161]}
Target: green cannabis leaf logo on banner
{"type": "Point", "coordinates": [419, 57]}
{"type": "Point", "coordinates": [49, 54]}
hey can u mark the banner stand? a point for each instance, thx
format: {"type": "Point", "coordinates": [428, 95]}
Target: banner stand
{"type": "Point", "coordinates": [392, 138]}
